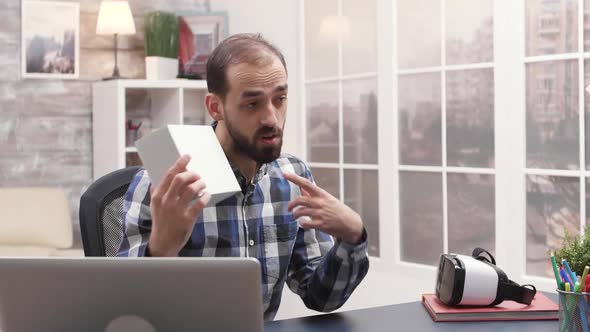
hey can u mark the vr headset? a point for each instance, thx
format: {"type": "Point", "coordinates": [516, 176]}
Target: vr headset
{"type": "Point", "coordinates": [477, 281]}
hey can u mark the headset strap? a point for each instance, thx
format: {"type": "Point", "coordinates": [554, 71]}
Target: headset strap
{"type": "Point", "coordinates": [477, 255]}
{"type": "Point", "coordinates": [515, 292]}
{"type": "Point", "coordinates": [508, 290]}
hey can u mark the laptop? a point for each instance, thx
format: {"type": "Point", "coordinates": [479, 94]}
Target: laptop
{"type": "Point", "coordinates": [130, 294]}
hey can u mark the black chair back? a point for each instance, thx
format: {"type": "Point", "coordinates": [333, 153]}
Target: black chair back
{"type": "Point", "coordinates": [101, 212]}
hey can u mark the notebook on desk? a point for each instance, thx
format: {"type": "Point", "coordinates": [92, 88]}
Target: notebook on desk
{"type": "Point", "coordinates": [542, 308]}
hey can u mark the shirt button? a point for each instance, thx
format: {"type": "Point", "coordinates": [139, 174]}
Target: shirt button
{"type": "Point", "coordinates": [251, 243]}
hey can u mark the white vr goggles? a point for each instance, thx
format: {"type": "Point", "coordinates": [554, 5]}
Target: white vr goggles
{"type": "Point", "coordinates": [477, 281]}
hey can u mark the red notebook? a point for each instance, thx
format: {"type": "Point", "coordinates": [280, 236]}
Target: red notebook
{"type": "Point", "coordinates": [542, 308]}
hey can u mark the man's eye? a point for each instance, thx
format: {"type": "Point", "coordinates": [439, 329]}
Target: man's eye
{"type": "Point", "coordinates": [251, 105]}
{"type": "Point", "coordinates": [283, 98]}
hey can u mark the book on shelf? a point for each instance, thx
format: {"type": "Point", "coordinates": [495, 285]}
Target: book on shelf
{"type": "Point", "coordinates": [542, 308]}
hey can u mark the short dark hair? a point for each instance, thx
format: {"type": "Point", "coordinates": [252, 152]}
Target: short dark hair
{"type": "Point", "coordinates": [240, 48]}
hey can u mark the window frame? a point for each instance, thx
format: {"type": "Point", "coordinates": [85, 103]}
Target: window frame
{"type": "Point", "coordinates": [509, 66]}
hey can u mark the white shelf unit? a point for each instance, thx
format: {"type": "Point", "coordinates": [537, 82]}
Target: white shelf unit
{"type": "Point", "coordinates": [167, 102]}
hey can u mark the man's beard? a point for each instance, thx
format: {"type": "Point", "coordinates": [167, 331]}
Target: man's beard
{"type": "Point", "coordinates": [260, 154]}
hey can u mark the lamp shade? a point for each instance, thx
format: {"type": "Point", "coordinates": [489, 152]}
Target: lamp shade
{"type": "Point", "coordinates": [114, 17]}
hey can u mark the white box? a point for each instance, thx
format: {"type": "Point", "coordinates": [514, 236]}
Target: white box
{"type": "Point", "coordinates": [160, 149]}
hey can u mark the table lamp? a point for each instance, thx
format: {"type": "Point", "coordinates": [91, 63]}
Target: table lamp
{"type": "Point", "coordinates": [114, 18]}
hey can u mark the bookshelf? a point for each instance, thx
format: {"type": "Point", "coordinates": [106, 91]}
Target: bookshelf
{"type": "Point", "coordinates": [152, 103]}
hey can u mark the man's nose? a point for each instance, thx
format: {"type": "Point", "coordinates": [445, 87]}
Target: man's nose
{"type": "Point", "coordinates": [269, 117]}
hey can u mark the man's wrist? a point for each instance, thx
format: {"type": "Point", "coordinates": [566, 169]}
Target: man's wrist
{"type": "Point", "coordinates": [356, 234]}
{"type": "Point", "coordinates": [155, 250]}
{"type": "Point", "coordinates": [357, 238]}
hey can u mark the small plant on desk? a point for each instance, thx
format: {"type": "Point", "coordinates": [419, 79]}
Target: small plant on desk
{"type": "Point", "coordinates": [576, 250]}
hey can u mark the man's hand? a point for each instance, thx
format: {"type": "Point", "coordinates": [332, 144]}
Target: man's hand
{"type": "Point", "coordinates": [327, 213]}
{"type": "Point", "coordinates": [173, 214]}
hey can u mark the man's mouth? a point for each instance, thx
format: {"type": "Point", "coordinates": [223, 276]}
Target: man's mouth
{"type": "Point", "coordinates": [269, 138]}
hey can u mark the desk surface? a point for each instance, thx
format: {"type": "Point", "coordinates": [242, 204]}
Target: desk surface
{"type": "Point", "coordinates": [400, 317]}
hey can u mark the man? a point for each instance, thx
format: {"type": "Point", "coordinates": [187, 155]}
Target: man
{"type": "Point", "coordinates": [280, 217]}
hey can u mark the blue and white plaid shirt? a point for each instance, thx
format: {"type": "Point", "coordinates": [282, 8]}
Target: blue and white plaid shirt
{"type": "Point", "coordinates": [256, 223]}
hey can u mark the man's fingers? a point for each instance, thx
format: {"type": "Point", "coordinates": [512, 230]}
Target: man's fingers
{"type": "Point", "coordinates": [199, 205]}
{"type": "Point", "coordinates": [308, 223]}
{"type": "Point", "coordinates": [303, 201]}
{"type": "Point", "coordinates": [304, 212]}
{"type": "Point", "coordinates": [304, 192]}
{"type": "Point", "coordinates": [180, 183]}
{"type": "Point", "coordinates": [191, 192]}
{"type": "Point", "coordinates": [178, 167]}
{"type": "Point", "coordinates": [304, 183]}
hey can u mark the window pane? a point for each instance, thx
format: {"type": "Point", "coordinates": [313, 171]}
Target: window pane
{"type": "Point", "coordinates": [361, 40]}
{"type": "Point", "coordinates": [471, 212]}
{"type": "Point", "coordinates": [361, 193]}
{"type": "Point", "coordinates": [421, 217]}
{"type": "Point", "coordinates": [322, 122]}
{"type": "Point", "coordinates": [327, 179]}
{"type": "Point", "coordinates": [469, 31]}
{"type": "Point", "coordinates": [553, 207]}
{"type": "Point", "coordinates": [322, 28]}
{"type": "Point", "coordinates": [552, 115]}
{"type": "Point", "coordinates": [360, 121]}
{"type": "Point", "coordinates": [420, 119]}
{"type": "Point", "coordinates": [586, 25]}
{"type": "Point", "coordinates": [418, 43]}
{"type": "Point", "coordinates": [470, 118]}
{"type": "Point", "coordinates": [551, 26]}
{"type": "Point", "coordinates": [587, 109]}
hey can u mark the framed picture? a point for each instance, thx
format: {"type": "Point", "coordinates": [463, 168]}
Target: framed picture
{"type": "Point", "coordinates": [50, 46]}
{"type": "Point", "coordinates": [199, 34]}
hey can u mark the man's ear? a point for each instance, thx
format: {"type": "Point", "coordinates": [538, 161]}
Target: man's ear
{"type": "Point", "coordinates": [214, 106]}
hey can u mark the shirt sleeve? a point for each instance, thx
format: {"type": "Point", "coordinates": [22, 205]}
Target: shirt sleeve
{"type": "Point", "coordinates": [137, 221]}
{"type": "Point", "coordinates": [322, 272]}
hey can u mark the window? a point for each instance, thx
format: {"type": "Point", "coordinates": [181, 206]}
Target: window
{"type": "Point", "coordinates": [555, 174]}
{"type": "Point", "coordinates": [341, 104]}
{"type": "Point", "coordinates": [489, 108]}
{"type": "Point", "coordinates": [445, 75]}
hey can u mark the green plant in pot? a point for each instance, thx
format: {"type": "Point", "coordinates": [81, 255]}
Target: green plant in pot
{"type": "Point", "coordinates": [576, 250]}
{"type": "Point", "coordinates": [161, 45]}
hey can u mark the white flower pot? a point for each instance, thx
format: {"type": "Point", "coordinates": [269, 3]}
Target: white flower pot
{"type": "Point", "coordinates": [160, 68]}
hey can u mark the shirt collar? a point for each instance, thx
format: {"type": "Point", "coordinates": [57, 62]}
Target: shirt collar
{"type": "Point", "coordinates": [262, 170]}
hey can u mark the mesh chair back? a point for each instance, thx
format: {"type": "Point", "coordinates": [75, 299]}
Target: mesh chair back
{"type": "Point", "coordinates": [101, 213]}
{"type": "Point", "coordinates": [111, 221]}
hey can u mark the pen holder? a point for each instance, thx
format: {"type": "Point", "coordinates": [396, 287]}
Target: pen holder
{"type": "Point", "coordinates": [574, 311]}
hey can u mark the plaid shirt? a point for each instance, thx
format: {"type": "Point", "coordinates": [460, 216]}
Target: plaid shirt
{"type": "Point", "coordinates": [256, 223]}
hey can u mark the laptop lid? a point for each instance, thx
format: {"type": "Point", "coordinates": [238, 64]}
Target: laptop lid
{"type": "Point", "coordinates": [130, 294]}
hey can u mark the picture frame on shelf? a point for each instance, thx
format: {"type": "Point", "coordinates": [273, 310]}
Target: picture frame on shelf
{"type": "Point", "coordinates": [50, 39]}
{"type": "Point", "coordinates": [199, 34]}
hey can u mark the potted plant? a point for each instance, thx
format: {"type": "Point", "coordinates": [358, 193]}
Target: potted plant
{"type": "Point", "coordinates": [576, 251]}
{"type": "Point", "coordinates": [161, 45]}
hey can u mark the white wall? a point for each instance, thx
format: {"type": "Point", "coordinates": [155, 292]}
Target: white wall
{"type": "Point", "coordinates": [277, 21]}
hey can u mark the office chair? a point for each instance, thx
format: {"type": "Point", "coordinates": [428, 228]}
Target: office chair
{"type": "Point", "coordinates": [101, 212]}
